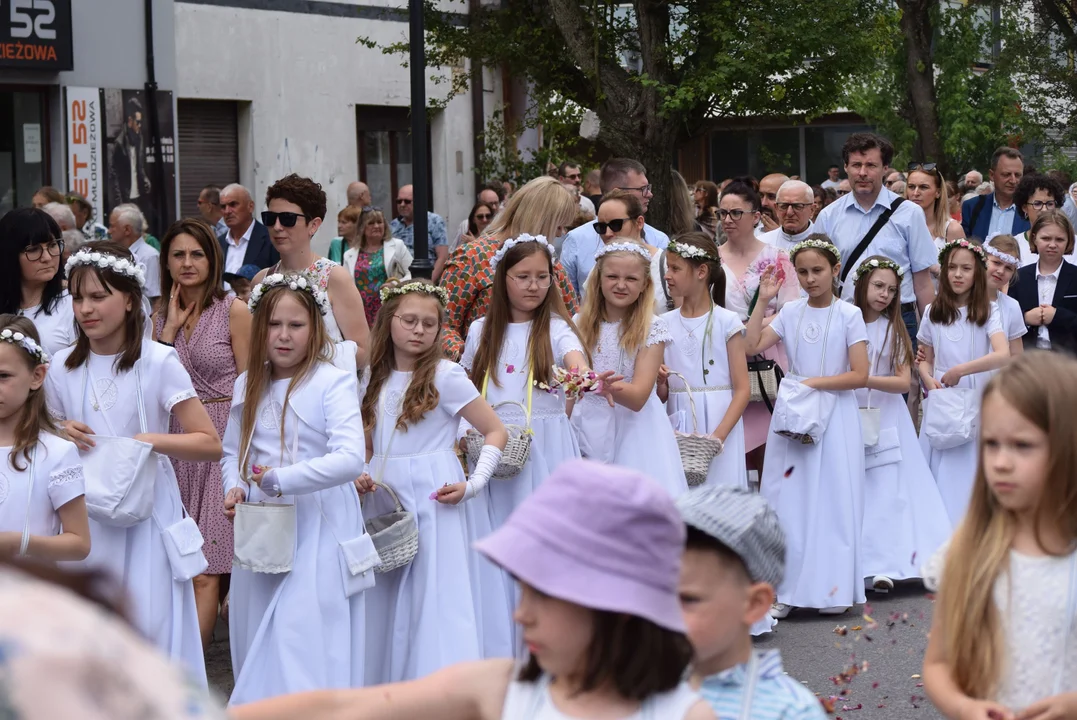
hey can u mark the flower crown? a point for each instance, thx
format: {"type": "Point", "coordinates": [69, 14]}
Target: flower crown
{"type": "Point", "coordinates": [811, 244]}
{"type": "Point", "coordinates": [425, 288]}
{"type": "Point", "coordinates": [1004, 257]}
{"type": "Point", "coordinates": [106, 261]}
{"type": "Point", "coordinates": [513, 242]}
{"type": "Point", "coordinates": [866, 267]}
{"type": "Point", "coordinates": [26, 343]}
{"type": "Point", "coordinates": [964, 244]}
{"type": "Point", "coordinates": [295, 282]}
{"type": "Point", "coordinates": [690, 252]}
{"type": "Point", "coordinates": [623, 247]}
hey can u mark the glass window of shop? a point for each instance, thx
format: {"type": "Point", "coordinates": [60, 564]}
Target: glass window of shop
{"type": "Point", "coordinates": [23, 146]}
{"type": "Point", "coordinates": [822, 148]}
{"type": "Point", "coordinates": [805, 151]}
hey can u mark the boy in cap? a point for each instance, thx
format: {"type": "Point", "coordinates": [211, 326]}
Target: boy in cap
{"type": "Point", "coordinates": [240, 281]}
{"type": "Point", "coordinates": [734, 559]}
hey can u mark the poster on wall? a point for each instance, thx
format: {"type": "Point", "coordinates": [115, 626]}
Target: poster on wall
{"type": "Point", "coordinates": [85, 165]}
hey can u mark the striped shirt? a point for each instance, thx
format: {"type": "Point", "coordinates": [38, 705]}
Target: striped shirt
{"type": "Point", "coordinates": [777, 696]}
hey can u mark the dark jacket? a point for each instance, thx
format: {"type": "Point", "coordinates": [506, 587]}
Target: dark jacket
{"type": "Point", "coordinates": [260, 250]}
{"type": "Point", "coordinates": [979, 209]}
{"type": "Point", "coordinates": [1063, 328]}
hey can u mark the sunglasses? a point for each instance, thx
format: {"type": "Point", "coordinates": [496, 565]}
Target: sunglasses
{"type": "Point", "coordinates": [614, 225]}
{"type": "Point", "coordinates": [483, 217]}
{"type": "Point", "coordinates": [921, 166]}
{"type": "Point", "coordinates": [287, 219]}
{"type": "Point", "coordinates": [403, 201]}
{"type": "Point", "coordinates": [370, 208]}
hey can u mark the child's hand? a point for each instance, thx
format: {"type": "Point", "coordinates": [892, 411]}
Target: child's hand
{"type": "Point", "coordinates": [921, 354]}
{"type": "Point", "coordinates": [365, 484]}
{"type": "Point", "coordinates": [930, 384]}
{"type": "Point", "coordinates": [1059, 707]}
{"type": "Point", "coordinates": [257, 473]}
{"type": "Point", "coordinates": [233, 498]}
{"type": "Point", "coordinates": [984, 710]}
{"type": "Point", "coordinates": [951, 377]}
{"type": "Point", "coordinates": [80, 434]}
{"type": "Point", "coordinates": [663, 375]}
{"type": "Point", "coordinates": [768, 284]}
{"type": "Point", "coordinates": [451, 494]}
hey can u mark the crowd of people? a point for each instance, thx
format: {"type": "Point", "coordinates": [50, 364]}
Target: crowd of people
{"type": "Point", "coordinates": [425, 485]}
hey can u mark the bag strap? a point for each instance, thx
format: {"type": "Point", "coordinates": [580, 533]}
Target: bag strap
{"type": "Point", "coordinates": [530, 390]}
{"type": "Point", "coordinates": [976, 210]}
{"type": "Point", "coordinates": [24, 544]}
{"type": "Point", "coordinates": [1071, 610]}
{"type": "Point", "coordinates": [749, 687]}
{"type": "Point", "coordinates": [662, 278]}
{"type": "Point", "coordinates": [850, 262]}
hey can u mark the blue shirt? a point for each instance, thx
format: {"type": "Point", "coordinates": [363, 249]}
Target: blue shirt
{"type": "Point", "coordinates": [578, 251]}
{"type": "Point", "coordinates": [435, 233]}
{"type": "Point", "coordinates": [1001, 220]}
{"type": "Point", "coordinates": [904, 239]}
{"type": "Point", "coordinates": [777, 696]}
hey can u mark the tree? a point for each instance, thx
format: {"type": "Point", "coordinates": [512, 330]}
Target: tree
{"type": "Point", "coordinates": [653, 71]}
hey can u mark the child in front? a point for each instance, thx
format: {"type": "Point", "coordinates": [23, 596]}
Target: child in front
{"type": "Point", "coordinates": [295, 440]}
{"type": "Point", "coordinates": [827, 345]}
{"type": "Point", "coordinates": [1003, 644]}
{"type": "Point", "coordinates": [733, 560]}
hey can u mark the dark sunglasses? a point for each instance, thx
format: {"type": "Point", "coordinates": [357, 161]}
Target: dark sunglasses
{"type": "Point", "coordinates": [370, 208]}
{"type": "Point", "coordinates": [483, 217]}
{"type": "Point", "coordinates": [921, 166]}
{"type": "Point", "coordinates": [287, 219]}
{"type": "Point", "coordinates": [403, 201]}
{"type": "Point", "coordinates": [614, 225]}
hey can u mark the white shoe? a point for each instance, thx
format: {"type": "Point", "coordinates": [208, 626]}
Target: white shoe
{"type": "Point", "coordinates": [837, 610]}
{"type": "Point", "coordinates": [882, 584]}
{"type": "Point", "coordinates": [780, 611]}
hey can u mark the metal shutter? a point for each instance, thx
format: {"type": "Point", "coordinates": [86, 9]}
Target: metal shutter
{"type": "Point", "coordinates": [208, 148]}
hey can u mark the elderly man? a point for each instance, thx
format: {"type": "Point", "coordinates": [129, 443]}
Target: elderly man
{"type": "Point", "coordinates": [972, 180]}
{"type": "Point", "coordinates": [359, 195]}
{"type": "Point", "coordinates": [63, 215]}
{"type": "Point", "coordinates": [125, 227]}
{"type": "Point", "coordinates": [844, 187]}
{"type": "Point", "coordinates": [768, 194]}
{"type": "Point", "coordinates": [403, 226]}
{"type": "Point", "coordinates": [209, 207]}
{"type": "Point", "coordinates": [247, 240]}
{"type": "Point", "coordinates": [794, 205]}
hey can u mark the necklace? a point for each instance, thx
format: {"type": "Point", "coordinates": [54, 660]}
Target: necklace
{"type": "Point", "coordinates": [691, 344]}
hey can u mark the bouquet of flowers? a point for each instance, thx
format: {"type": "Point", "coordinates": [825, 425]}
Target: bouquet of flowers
{"type": "Point", "coordinates": [572, 382]}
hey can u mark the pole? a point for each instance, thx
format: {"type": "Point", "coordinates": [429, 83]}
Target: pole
{"type": "Point", "coordinates": [160, 221]}
{"type": "Point", "coordinates": [422, 266]}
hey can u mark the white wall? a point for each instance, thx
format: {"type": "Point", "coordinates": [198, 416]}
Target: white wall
{"type": "Point", "coordinates": [302, 75]}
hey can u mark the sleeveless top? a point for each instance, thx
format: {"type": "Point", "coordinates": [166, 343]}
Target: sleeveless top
{"type": "Point", "coordinates": [318, 273]}
{"type": "Point", "coordinates": [531, 701]}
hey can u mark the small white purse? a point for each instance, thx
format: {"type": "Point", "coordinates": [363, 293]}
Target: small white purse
{"type": "Point", "coordinates": [182, 539]}
{"type": "Point", "coordinates": [801, 413]}
{"type": "Point", "coordinates": [951, 417]}
{"type": "Point", "coordinates": [871, 418]}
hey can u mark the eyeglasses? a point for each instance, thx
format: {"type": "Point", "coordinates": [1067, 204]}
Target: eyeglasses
{"type": "Point", "coordinates": [614, 225]}
{"type": "Point", "coordinates": [370, 208]}
{"type": "Point", "coordinates": [525, 281]}
{"type": "Point", "coordinates": [782, 207]}
{"type": "Point", "coordinates": [33, 252]}
{"type": "Point", "coordinates": [410, 322]}
{"type": "Point", "coordinates": [1043, 204]}
{"type": "Point", "coordinates": [572, 176]}
{"type": "Point", "coordinates": [735, 214]}
{"type": "Point", "coordinates": [287, 219]}
{"type": "Point", "coordinates": [921, 166]}
{"type": "Point", "coordinates": [403, 201]}
{"type": "Point", "coordinates": [642, 189]}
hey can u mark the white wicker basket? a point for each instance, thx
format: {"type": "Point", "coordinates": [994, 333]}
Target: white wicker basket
{"type": "Point", "coordinates": [517, 449]}
{"type": "Point", "coordinates": [395, 535]}
{"type": "Point", "coordinates": [697, 450]}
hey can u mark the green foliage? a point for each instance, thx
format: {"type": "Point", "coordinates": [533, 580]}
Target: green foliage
{"type": "Point", "coordinates": [559, 122]}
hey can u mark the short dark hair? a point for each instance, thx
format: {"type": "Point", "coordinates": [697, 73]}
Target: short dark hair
{"type": "Point", "coordinates": [212, 193]}
{"type": "Point", "coordinates": [1008, 152]}
{"type": "Point", "coordinates": [562, 169]}
{"type": "Point", "coordinates": [861, 142]}
{"type": "Point", "coordinates": [133, 106]}
{"type": "Point", "coordinates": [19, 229]}
{"type": "Point", "coordinates": [1061, 176]}
{"type": "Point", "coordinates": [636, 656]}
{"type": "Point", "coordinates": [302, 191]}
{"type": "Point", "coordinates": [742, 189]}
{"type": "Point", "coordinates": [701, 541]}
{"type": "Point", "coordinates": [614, 171]}
{"type": "Point", "coordinates": [835, 167]}
{"type": "Point", "coordinates": [1030, 184]}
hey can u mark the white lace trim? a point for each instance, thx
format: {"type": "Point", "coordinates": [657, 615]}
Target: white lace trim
{"type": "Point", "coordinates": [737, 329]}
{"type": "Point", "coordinates": [56, 415]}
{"type": "Point", "coordinates": [67, 475]}
{"type": "Point", "coordinates": [931, 571]}
{"type": "Point", "coordinates": [659, 333]}
{"type": "Point", "coordinates": [180, 397]}
{"type": "Point", "coordinates": [574, 347]}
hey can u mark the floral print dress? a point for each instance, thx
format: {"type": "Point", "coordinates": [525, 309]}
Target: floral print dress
{"type": "Point", "coordinates": [370, 275]}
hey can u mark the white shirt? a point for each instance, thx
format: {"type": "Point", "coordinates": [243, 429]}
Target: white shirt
{"type": "Point", "coordinates": [587, 206]}
{"type": "Point", "coordinates": [828, 183]}
{"type": "Point", "coordinates": [1046, 285]}
{"type": "Point", "coordinates": [57, 329]}
{"type": "Point", "coordinates": [1028, 257]}
{"type": "Point", "coordinates": [132, 157]}
{"type": "Point", "coordinates": [237, 249]}
{"type": "Point", "coordinates": [782, 240]}
{"type": "Point", "coordinates": [150, 260]}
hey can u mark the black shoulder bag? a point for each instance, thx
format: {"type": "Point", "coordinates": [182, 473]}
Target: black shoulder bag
{"type": "Point", "coordinates": [850, 263]}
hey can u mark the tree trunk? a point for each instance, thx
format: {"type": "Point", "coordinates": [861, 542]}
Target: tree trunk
{"type": "Point", "coordinates": [917, 26]}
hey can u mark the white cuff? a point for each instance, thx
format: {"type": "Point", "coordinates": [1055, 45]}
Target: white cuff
{"type": "Point", "coordinates": [489, 458]}
{"type": "Point", "coordinates": [270, 485]}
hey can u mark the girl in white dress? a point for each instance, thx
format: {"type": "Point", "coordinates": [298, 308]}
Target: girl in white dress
{"type": "Point", "coordinates": [707, 350]}
{"type": "Point", "coordinates": [618, 326]}
{"type": "Point", "coordinates": [412, 409]}
{"type": "Point", "coordinates": [94, 387]}
{"type": "Point", "coordinates": [962, 341]}
{"type": "Point", "coordinates": [604, 640]}
{"type": "Point", "coordinates": [42, 484]}
{"type": "Point", "coordinates": [818, 489]}
{"type": "Point", "coordinates": [904, 518]}
{"type": "Point", "coordinates": [295, 437]}
{"type": "Point", "coordinates": [1003, 643]}
{"type": "Point", "coordinates": [1002, 263]}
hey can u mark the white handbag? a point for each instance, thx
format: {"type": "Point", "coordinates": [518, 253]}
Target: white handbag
{"type": "Point", "coordinates": [182, 539]}
{"type": "Point", "coordinates": [951, 417]}
{"type": "Point", "coordinates": [871, 418]}
{"type": "Point", "coordinates": [801, 413]}
{"type": "Point", "coordinates": [884, 452]}
{"type": "Point", "coordinates": [121, 472]}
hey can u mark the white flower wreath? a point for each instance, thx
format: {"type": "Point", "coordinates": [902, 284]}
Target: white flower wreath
{"type": "Point", "coordinates": [426, 288]}
{"type": "Point", "coordinates": [690, 252]}
{"type": "Point", "coordinates": [1004, 257]}
{"type": "Point", "coordinates": [26, 343]}
{"type": "Point", "coordinates": [811, 244]}
{"type": "Point", "coordinates": [105, 261]}
{"type": "Point", "coordinates": [874, 264]}
{"type": "Point", "coordinates": [624, 247]}
{"type": "Point", "coordinates": [295, 282]}
{"type": "Point", "coordinates": [513, 242]}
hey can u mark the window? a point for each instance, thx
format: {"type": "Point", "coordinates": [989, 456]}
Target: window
{"type": "Point", "coordinates": [208, 148]}
{"type": "Point", "coordinates": [23, 147]}
{"type": "Point", "coordinates": [385, 162]}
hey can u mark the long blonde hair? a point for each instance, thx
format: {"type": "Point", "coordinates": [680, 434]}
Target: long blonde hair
{"type": "Point", "coordinates": [259, 371]}
{"type": "Point", "coordinates": [939, 217]}
{"type": "Point", "coordinates": [1042, 386]}
{"type": "Point", "coordinates": [637, 322]}
{"type": "Point", "coordinates": [541, 207]}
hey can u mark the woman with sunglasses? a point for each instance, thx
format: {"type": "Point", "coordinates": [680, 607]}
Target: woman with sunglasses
{"type": "Point", "coordinates": [375, 258]}
{"type": "Point", "coordinates": [31, 281]}
{"type": "Point", "coordinates": [478, 220]}
{"type": "Point", "coordinates": [620, 215]}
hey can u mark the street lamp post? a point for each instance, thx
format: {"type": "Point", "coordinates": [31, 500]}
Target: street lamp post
{"type": "Point", "coordinates": [422, 266]}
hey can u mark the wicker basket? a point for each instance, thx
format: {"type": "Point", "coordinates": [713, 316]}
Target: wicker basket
{"type": "Point", "coordinates": [697, 450]}
{"type": "Point", "coordinates": [395, 535]}
{"type": "Point", "coordinates": [517, 449]}
{"type": "Point", "coordinates": [764, 376]}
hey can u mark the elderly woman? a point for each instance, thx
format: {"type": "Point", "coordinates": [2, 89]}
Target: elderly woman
{"type": "Point", "coordinates": [375, 258]}
{"type": "Point", "coordinates": [211, 334]}
{"type": "Point", "coordinates": [31, 281]}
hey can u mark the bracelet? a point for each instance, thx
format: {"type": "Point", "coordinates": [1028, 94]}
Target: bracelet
{"type": "Point", "coordinates": [168, 344]}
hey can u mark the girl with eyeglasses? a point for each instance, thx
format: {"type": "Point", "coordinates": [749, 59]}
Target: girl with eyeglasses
{"type": "Point", "coordinates": [1036, 195]}
{"type": "Point", "coordinates": [31, 282]}
{"type": "Point", "coordinates": [620, 215]}
{"type": "Point", "coordinates": [411, 412]}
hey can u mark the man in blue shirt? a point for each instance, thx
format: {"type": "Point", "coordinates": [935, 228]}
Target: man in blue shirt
{"type": "Point", "coordinates": [403, 228]}
{"type": "Point", "coordinates": [995, 214]}
{"type": "Point", "coordinates": [578, 250]}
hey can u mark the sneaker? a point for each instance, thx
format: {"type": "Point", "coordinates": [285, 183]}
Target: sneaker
{"type": "Point", "coordinates": [882, 584]}
{"type": "Point", "coordinates": [780, 611]}
{"type": "Point", "coordinates": [837, 610]}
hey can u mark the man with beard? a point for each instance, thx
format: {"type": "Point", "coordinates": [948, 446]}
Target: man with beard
{"type": "Point", "coordinates": [995, 213]}
{"type": "Point", "coordinates": [795, 203]}
{"type": "Point", "coordinates": [768, 193]}
{"type": "Point", "coordinates": [127, 179]}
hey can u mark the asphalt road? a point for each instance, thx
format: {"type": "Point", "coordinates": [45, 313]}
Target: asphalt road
{"type": "Point", "coordinates": [883, 689]}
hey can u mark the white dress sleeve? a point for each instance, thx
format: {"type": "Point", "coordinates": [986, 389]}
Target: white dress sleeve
{"type": "Point", "coordinates": [230, 475]}
{"type": "Point", "coordinates": [778, 324]}
{"type": "Point", "coordinates": [659, 333]}
{"type": "Point", "coordinates": [563, 340]}
{"type": "Point", "coordinates": [1014, 320]}
{"type": "Point", "coordinates": [932, 569]}
{"type": "Point", "coordinates": [454, 387]}
{"type": "Point", "coordinates": [172, 382]}
{"type": "Point", "coordinates": [925, 335]}
{"type": "Point", "coordinates": [471, 345]}
{"type": "Point", "coordinates": [731, 325]}
{"type": "Point", "coordinates": [994, 321]}
{"type": "Point", "coordinates": [66, 482]}
{"type": "Point", "coordinates": [855, 329]}
{"type": "Point", "coordinates": [54, 395]}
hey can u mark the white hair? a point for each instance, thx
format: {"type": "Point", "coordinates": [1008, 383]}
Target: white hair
{"type": "Point", "coordinates": [792, 186]}
{"type": "Point", "coordinates": [62, 214]}
{"type": "Point", "coordinates": [233, 187]}
{"type": "Point", "coordinates": [73, 240]}
{"type": "Point", "coordinates": [128, 214]}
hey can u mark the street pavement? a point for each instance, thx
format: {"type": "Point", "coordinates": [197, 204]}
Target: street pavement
{"type": "Point", "coordinates": [886, 658]}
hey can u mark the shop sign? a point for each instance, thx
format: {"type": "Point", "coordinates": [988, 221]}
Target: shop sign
{"type": "Point", "coordinates": [36, 35]}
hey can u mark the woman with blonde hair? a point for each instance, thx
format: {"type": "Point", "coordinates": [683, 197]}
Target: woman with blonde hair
{"type": "Point", "coordinates": [375, 258]}
{"type": "Point", "coordinates": [541, 207]}
{"type": "Point", "coordinates": [927, 188]}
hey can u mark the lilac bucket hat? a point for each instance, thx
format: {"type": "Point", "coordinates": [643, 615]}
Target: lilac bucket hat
{"type": "Point", "coordinates": [601, 536]}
